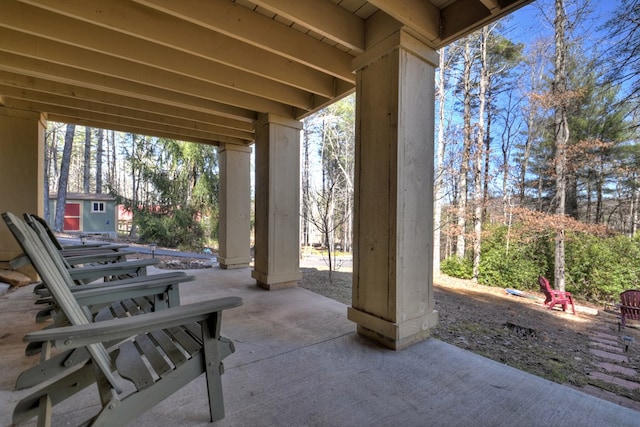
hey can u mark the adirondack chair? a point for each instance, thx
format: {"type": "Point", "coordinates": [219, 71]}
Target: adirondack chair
{"type": "Point", "coordinates": [89, 266]}
{"type": "Point", "coordinates": [90, 273]}
{"type": "Point", "coordinates": [554, 297]}
{"type": "Point", "coordinates": [78, 254]}
{"type": "Point", "coordinates": [630, 305]}
{"type": "Point", "coordinates": [81, 247]}
{"type": "Point", "coordinates": [159, 352]}
{"type": "Point", "coordinates": [105, 300]}
{"type": "Point", "coordinates": [81, 275]}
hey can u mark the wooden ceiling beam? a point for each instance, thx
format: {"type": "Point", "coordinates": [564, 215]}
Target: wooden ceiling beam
{"type": "Point", "coordinates": [420, 16]}
{"type": "Point", "coordinates": [42, 23]}
{"type": "Point", "coordinates": [242, 24]}
{"type": "Point", "coordinates": [107, 121]}
{"type": "Point", "coordinates": [50, 103]}
{"type": "Point", "coordinates": [123, 127]}
{"type": "Point", "coordinates": [323, 17]}
{"type": "Point", "coordinates": [147, 24]}
{"type": "Point", "coordinates": [20, 86]}
{"type": "Point", "coordinates": [149, 83]}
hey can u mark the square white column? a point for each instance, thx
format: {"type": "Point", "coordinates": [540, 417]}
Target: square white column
{"type": "Point", "coordinates": [21, 170]}
{"type": "Point", "coordinates": [234, 229]}
{"type": "Point", "coordinates": [393, 230]}
{"type": "Point", "coordinates": [277, 211]}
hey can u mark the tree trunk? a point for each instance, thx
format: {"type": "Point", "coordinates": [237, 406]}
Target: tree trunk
{"type": "Point", "coordinates": [464, 166]}
{"type": "Point", "coordinates": [306, 203]}
{"type": "Point", "coordinates": [86, 167]}
{"type": "Point", "coordinates": [438, 190]}
{"type": "Point", "coordinates": [479, 154]}
{"type": "Point", "coordinates": [99, 154]}
{"type": "Point", "coordinates": [64, 177]}
{"type": "Point", "coordinates": [561, 127]}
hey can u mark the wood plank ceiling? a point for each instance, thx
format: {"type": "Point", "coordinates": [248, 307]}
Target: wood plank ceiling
{"type": "Point", "coordinates": [203, 70]}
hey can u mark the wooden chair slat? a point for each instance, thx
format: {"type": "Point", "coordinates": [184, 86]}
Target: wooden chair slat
{"type": "Point", "coordinates": [144, 304]}
{"type": "Point", "coordinates": [131, 307]}
{"type": "Point", "coordinates": [176, 355]}
{"type": "Point", "coordinates": [185, 340]}
{"type": "Point", "coordinates": [118, 309]}
{"type": "Point", "coordinates": [155, 358]}
{"type": "Point", "coordinates": [195, 329]}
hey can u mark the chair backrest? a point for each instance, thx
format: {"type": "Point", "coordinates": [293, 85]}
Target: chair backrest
{"type": "Point", "coordinates": [47, 229]}
{"type": "Point", "coordinates": [630, 298]}
{"type": "Point", "coordinates": [545, 287]}
{"type": "Point", "coordinates": [57, 279]}
{"type": "Point", "coordinates": [46, 236]}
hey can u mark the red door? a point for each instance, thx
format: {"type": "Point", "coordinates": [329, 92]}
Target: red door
{"type": "Point", "coordinates": [71, 217]}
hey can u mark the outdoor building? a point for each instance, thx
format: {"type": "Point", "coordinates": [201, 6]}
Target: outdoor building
{"type": "Point", "coordinates": [87, 214]}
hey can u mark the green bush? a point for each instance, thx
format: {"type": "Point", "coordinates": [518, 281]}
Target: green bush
{"type": "Point", "coordinates": [598, 268]}
{"type": "Point", "coordinates": [178, 229]}
{"type": "Point", "coordinates": [457, 267]}
{"type": "Point", "coordinates": [514, 266]}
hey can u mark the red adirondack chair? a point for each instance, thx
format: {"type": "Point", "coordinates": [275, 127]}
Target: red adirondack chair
{"type": "Point", "coordinates": [555, 297]}
{"type": "Point", "coordinates": [630, 305]}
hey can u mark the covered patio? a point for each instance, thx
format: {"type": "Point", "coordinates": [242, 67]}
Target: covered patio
{"type": "Point", "coordinates": [241, 75]}
{"type": "Point", "coordinates": [300, 362]}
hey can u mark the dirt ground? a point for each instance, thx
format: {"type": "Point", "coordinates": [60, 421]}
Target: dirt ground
{"type": "Point", "coordinates": [516, 331]}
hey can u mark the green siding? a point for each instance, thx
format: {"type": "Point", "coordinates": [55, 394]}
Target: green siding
{"type": "Point", "coordinates": [91, 222]}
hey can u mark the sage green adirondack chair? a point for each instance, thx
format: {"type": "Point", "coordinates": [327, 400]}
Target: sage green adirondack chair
{"type": "Point", "coordinates": [75, 247]}
{"type": "Point", "coordinates": [159, 352]}
{"type": "Point", "coordinates": [108, 271]}
{"type": "Point", "coordinates": [78, 254]}
{"type": "Point", "coordinates": [90, 273]}
{"type": "Point", "coordinates": [104, 301]}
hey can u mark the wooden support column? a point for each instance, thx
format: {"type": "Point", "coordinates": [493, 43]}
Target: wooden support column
{"type": "Point", "coordinates": [277, 233]}
{"type": "Point", "coordinates": [21, 170]}
{"type": "Point", "coordinates": [235, 206]}
{"type": "Point", "coordinates": [393, 228]}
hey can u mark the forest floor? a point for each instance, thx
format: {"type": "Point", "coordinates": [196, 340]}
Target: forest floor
{"type": "Point", "coordinates": [514, 330]}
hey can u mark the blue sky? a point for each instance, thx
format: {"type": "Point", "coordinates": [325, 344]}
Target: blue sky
{"type": "Point", "coordinates": [529, 25]}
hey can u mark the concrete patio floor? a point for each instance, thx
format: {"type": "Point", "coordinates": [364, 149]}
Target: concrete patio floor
{"type": "Point", "coordinates": [299, 362]}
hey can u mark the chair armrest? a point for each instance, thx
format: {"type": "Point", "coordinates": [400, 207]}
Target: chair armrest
{"type": "Point", "coordinates": [110, 246]}
{"type": "Point", "coordinates": [172, 277]}
{"type": "Point", "coordinates": [101, 293]}
{"type": "Point", "coordinates": [90, 257]}
{"type": "Point", "coordinates": [97, 271]}
{"type": "Point", "coordinates": [177, 275]}
{"type": "Point", "coordinates": [122, 328]}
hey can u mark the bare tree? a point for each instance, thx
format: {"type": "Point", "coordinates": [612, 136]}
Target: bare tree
{"type": "Point", "coordinates": [467, 135]}
{"type": "Point", "coordinates": [437, 186]}
{"type": "Point", "coordinates": [86, 167]}
{"type": "Point", "coordinates": [561, 132]}
{"type": "Point", "coordinates": [64, 177]}
{"type": "Point", "coordinates": [99, 155]}
{"type": "Point", "coordinates": [479, 153]}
